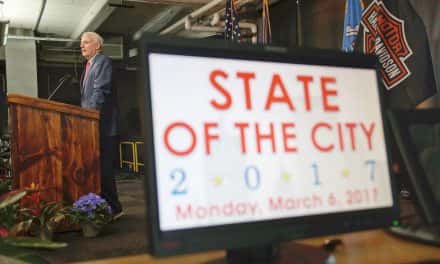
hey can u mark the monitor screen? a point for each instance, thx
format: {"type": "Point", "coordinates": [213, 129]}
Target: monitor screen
{"type": "Point", "coordinates": [252, 145]}
{"type": "Point", "coordinates": [417, 134]}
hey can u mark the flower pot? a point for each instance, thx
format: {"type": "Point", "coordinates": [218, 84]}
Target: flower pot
{"type": "Point", "coordinates": [90, 230]}
{"type": "Point", "coordinates": [46, 233]}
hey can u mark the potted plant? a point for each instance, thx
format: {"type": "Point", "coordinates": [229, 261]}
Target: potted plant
{"type": "Point", "coordinates": [9, 243]}
{"type": "Point", "coordinates": [45, 219]}
{"type": "Point", "coordinates": [92, 212]}
{"type": "Point", "coordinates": [37, 216]}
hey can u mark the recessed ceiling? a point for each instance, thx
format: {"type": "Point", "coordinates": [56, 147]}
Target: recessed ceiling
{"type": "Point", "coordinates": [58, 17]}
{"type": "Point", "coordinates": [54, 22]}
{"type": "Point", "coordinates": [68, 18]}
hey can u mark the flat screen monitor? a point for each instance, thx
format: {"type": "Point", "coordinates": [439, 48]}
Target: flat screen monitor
{"type": "Point", "coordinates": [417, 134]}
{"type": "Point", "coordinates": [250, 145]}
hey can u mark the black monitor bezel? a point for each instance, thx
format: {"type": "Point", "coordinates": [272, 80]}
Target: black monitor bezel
{"type": "Point", "coordinates": [400, 120]}
{"type": "Point", "coordinates": [255, 233]}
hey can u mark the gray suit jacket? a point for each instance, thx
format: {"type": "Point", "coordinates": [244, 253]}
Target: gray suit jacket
{"type": "Point", "coordinates": [97, 93]}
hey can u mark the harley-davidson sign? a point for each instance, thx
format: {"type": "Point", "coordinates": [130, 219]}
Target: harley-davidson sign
{"type": "Point", "coordinates": [384, 35]}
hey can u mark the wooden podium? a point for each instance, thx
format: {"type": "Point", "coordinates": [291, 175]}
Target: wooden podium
{"type": "Point", "coordinates": [56, 146]}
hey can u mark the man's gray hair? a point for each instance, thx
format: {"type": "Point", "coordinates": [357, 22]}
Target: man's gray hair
{"type": "Point", "coordinates": [96, 36]}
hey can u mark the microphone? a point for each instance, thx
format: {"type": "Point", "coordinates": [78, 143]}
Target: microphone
{"type": "Point", "coordinates": [61, 81]}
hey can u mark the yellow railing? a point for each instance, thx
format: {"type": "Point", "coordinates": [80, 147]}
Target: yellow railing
{"type": "Point", "coordinates": [134, 162]}
{"type": "Point", "coordinates": [124, 160]}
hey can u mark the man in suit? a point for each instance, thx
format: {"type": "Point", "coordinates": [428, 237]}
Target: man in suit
{"type": "Point", "coordinates": [96, 93]}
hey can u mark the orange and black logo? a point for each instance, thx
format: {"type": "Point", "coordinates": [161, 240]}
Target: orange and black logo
{"type": "Point", "coordinates": [384, 35]}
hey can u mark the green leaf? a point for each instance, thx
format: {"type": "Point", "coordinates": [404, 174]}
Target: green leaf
{"type": "Point", "coordinates": [16, 255]}
{"type": "Point", "coordinates": [32, 242]}
{"type": "Point", "coordinates": [21, 227]}
{"type": "Point", "coordinates": [11, 197]}
{"type": "Point", "coordinates": [58, 218]}
{"type": "Point", "coordinates": [34, 259]}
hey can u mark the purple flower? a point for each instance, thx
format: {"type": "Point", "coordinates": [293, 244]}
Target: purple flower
{"type": "Point", "coordinates": [91, 208]}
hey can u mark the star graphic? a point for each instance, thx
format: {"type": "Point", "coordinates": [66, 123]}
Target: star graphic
{"type": "Point", "coordinates": [345, 173]}
{"type": "Point", "coordinates": [285, 176]}
{"type": "Point", "coordinates": [217, 180]}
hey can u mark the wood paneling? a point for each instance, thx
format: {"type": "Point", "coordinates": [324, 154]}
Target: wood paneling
{"type": "Point", "coordinates": [56, 146]}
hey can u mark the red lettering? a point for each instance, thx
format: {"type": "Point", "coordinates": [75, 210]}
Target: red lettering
{"type": "Point", "coordinates": [326, 92]}
{"type": "Point", "coordinates": [183, 213]}
{"type": "Point", "coordinates": [287, 135]}
{"type": "Point", "coordinates": [259, 137]}
{"type": "Point", "coordinates": [306, 80]}
{"type": "Point", "coordinates": [272, 98]}
{"type": "Point", "coordinates": [209, 137]}
{"type": "Point", "coordinates": [228, 99]}
{"type": "Point", "coordinates": [242, 127]}
{"type": "Point", "coordinates": [341, 139]}
{"type": "Point", "coordinates": [184, 151]}
{"type": "Point", "coordinates": [397, 48]}
{"type": "Point", "coordinates": [314, 138]}
{"type": "Point", "coordinates": [368, 133]}
{"type": "Point", "coordinates": [351, 127]}
{"type": "Point", "coordinates": [246, 76]}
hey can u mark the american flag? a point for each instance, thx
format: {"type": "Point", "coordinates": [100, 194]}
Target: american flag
{"type": "Point", "coordinates": [232, 29]}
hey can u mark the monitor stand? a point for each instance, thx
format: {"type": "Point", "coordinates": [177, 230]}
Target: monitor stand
{"type": "Point", "coordinates": [259, 254]}
{"type": "Point", "coordinates": [413, 225]}
{"type": "Point", "coordinates": [422, 233]}
{"type": "Point", "coordinates": [283, 253]}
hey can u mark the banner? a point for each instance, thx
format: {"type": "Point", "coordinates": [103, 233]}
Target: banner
{"type": "Point", "coordinates": [240, 141]}
{"type": "Point", "coordinates": [395, 33]}
{"type": "Point", "coordinates": [353, 13]}
{"type": "Point", "coordinates": [429, 12]}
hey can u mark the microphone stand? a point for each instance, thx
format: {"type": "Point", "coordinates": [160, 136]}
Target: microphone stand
{"type": "Point", "coordinates": [63, 80]}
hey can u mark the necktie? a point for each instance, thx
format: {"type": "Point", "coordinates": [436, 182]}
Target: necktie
{"type": "Point", "coordinates": [86, 71]}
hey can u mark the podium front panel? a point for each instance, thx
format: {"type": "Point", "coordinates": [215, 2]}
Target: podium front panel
{"type": "Point", "coordinates": [55, 146]}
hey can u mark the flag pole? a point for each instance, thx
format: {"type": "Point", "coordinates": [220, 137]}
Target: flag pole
{"type": "Point", "coordinates": [299, 39]}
